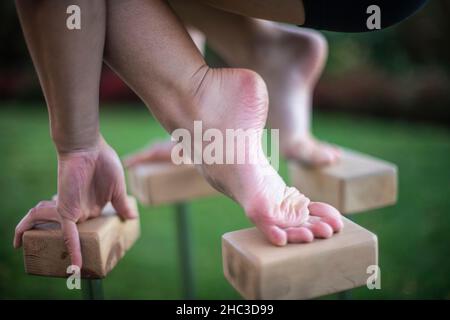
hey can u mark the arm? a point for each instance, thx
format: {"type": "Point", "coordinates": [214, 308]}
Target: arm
{"type": "Point", "coordinates": [68, 63]}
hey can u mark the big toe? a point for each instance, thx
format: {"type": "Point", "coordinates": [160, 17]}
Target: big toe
{"type": "Point", "coordinates": [327, 214]}
{"type": "Point", "coordinates": [314, 153]}
{"type": "Point", "coordinates": [321, 229]}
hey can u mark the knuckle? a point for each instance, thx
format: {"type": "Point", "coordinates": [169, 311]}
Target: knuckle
{"type": "Point", "coordinates": [68, 213]}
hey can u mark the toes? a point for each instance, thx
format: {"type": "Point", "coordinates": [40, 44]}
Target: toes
{"type": "Point", "coordinates": [295, 207]}
{"type": "Point", "coordinates": [138, 158]}
{"type": "Point", "coordinates": [299, 235]}
{"type": "Point", "coordinates": [326, 154]}
{"type": "Point", "coordinates": [275, 235]}
{"type": "Point", "coordinates": [314, 153]}
{"type": "Point", "coordinates": [324, 157]}
{"type": "Point", "coordinates": [321, 229]}
{"type": "Point", "coordinates": [327, 214]}
{"type": "Point", "coordinates": [157, 152]}
{"type": "Point", "coordinates": [337, 152]}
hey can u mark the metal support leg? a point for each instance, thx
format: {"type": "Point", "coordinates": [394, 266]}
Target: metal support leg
{"type": "Point", "coordinates": [92, 289]}
{"type": "Point", "coordinates": [185, 250]}
{"type": "Point", "coordinates": [345, 295]}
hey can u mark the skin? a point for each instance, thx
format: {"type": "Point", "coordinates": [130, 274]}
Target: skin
{"type": "Point", "coordinates": [149, 47]}
{"type": "Point", "coordinates": [89, 171]}
{"type": "Point", "coordinates": [144, 46]}
{"type": "Point", "coordinates": [290, 60]}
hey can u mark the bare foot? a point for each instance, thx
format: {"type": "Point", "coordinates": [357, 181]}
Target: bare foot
{"type": "Point", "coordinates": [237, 99]}
{"type": "Point", "coordinates": [312, 152]}
{"type": "Point", "coordinates": [157, 152]}
{"type": "Point", "coordinates": [290, 61]}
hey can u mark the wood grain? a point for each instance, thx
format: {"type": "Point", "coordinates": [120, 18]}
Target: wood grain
{"type": "Point", "coordinates": [104, 241]}
{"type": "Point", "coordinates": [259, 270]}
{"type": "Point", "coordinates": [162, 183]}
{"type": "Point", "coordinates": [357, 183]}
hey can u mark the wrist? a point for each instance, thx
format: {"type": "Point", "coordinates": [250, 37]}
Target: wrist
{"type": "Point", "coordinates": [66, 145]}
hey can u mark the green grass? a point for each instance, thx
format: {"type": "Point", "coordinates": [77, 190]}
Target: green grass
{"type": "Point", "coordinates": [413, 236]}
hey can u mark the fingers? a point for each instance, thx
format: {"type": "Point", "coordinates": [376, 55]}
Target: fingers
{"type": "Point", "coordinates": [123, 207]}
{"type": "Point", "coordinates": [327, 214]}
{"type": "Point", "coordinates": [72, 241]}
{"type": "Point", "coordinates": [45, 211]}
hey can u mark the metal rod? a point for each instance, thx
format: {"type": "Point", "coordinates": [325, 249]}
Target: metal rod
{"type": "Point", "coordinates": [92, 289]}
{"type": "Point", "coordinates": [345, 295]}
{"type": "Point", "coordinates": [185, 250]}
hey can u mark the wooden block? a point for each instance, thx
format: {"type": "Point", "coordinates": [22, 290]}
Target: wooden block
{"type": "Point", "coordinates": [160, 183]}
{"type": "Point", "coordinates": [357, 183]}
{"type": "Point", "coordinates": [259, 270]}
{"type": "Point", "coordinates": [104, 241]}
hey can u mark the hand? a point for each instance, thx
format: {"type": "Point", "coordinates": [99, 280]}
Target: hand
{"type": "Point", "coordinates": [87, 180]}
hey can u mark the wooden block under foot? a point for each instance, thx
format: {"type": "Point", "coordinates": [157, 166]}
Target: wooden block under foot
{"type": "Point", "coordinates": [104, 241]}
{"type": "Point", "coordinates": [259, 270]}
{"type": "Point", "coordinates": [356, 183]}
{"type": "Point", "coordinates": [160, 183]}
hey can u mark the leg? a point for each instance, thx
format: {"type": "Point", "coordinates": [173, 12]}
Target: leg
{"type": "Point", "coordinates": [68, 63]}
{"type": "Point", "coordinates": [290, 60]}
{"type": "Point", "coordinates": [148, 46]}
{"type": "Point", "coordinates": [198, 37]}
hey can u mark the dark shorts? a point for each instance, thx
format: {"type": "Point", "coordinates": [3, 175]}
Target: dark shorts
{"type": "Point", "coordinates": [357, 15]}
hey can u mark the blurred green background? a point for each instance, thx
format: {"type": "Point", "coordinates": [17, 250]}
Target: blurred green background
{"type": "Point", "coordinates": [385, 94]}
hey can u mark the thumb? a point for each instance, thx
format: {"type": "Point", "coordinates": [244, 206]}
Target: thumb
{"type": "Point", "coordinates": [123, 207]}
{"type": "Point", "coordinates": [72, 241]}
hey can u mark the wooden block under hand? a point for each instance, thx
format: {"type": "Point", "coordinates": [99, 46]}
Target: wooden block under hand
{"type": "Point", "coordinates": [259, 270]}
{"type": "Point", "coordinates": [356, 183]}
{"type": "Point", "coordinates": [160, 183]}
{"type": "Point", "coordinates": [104, 241]}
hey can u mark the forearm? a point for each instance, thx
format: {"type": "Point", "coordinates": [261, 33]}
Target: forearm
{"type": "Point", "coordinates": [68, 64]}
